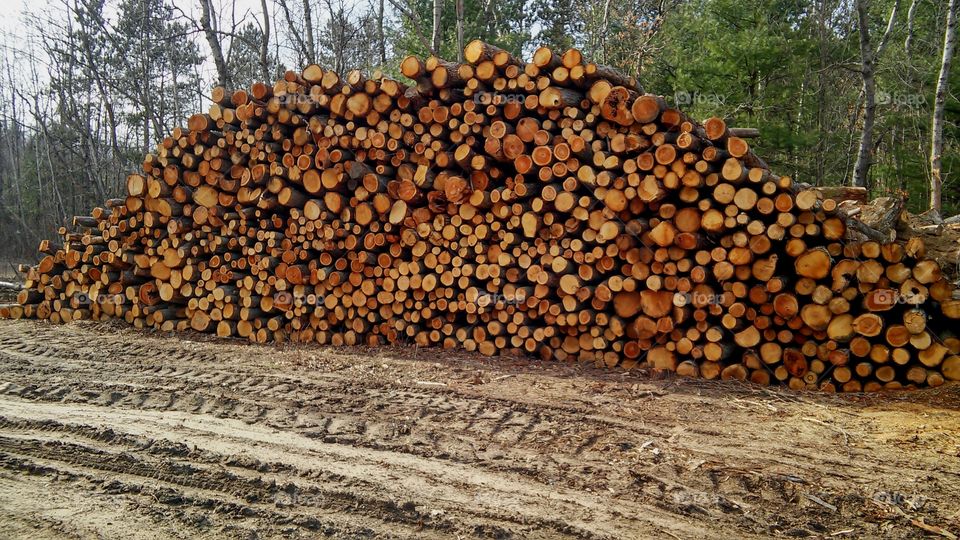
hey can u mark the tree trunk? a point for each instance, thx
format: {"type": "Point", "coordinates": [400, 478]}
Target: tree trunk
{"type": "Point", "coordinates": [213, 40]}
{"type": "Point", "coordinates": [936, 145]}
{"type": "Point", "coordinates": [868, 66]}
{"type": "Point", "coordinates": [265, 44]}
{"type": "Point", "coordinates": [436, 37]}
{"type": "Point", "coordinates": [861, 170]}
{"type": "Point", "coordinates": [908, 41]}
{"type": "Point", "coordinates": [308, 29]}
{"type": "Point", "coordinates": [459, 30]}
{"type": "Point", "coordinates": [605, 25]}
{"type": "Point", "coordinates": [381, 35]}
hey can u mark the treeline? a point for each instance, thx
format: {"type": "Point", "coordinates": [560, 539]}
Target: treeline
{"type": "Point", "coordinates": [843, 91]}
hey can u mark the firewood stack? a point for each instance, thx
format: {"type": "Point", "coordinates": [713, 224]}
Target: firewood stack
{"type": "Point", "coordinates": [550, 208]}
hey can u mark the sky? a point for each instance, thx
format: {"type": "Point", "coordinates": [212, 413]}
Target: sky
{"type": "Point", "coordinates": [15, 32]}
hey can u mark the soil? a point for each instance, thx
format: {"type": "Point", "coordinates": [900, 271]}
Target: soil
{"type": "Point", "coordinates": [107, 431]}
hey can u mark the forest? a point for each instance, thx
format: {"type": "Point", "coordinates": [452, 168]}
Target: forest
{"type": "Point", "coordinates": [844, 92]}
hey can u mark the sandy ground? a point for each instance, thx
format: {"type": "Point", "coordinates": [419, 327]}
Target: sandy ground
{"type": "Point", "coordinates": [108, 432]}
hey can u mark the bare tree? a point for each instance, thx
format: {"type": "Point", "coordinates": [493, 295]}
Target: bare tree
{"type": "Point", "coordinates": [265, 43]}
{"type": "Point", "coordinates": [208, 23]}
{"type": "Point", "coordinates": [308, 30]}
{"type": "Point", "coordinates": [936, 145]}
{"type": "Point", "coordinates": [868, 68]}
{"type": "Point", "coordinates": [336, 34]}
{"type": "Point", "coordinates": [295, 33]}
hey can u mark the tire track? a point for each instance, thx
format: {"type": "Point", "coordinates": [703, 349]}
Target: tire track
{"type": "Point", "coordinates": [226, 439]}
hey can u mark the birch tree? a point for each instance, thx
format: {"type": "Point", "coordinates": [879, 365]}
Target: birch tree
{"type": "Point", "coordinates": [940, 100]}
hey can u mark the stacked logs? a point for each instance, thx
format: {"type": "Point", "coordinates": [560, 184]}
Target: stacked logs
{"type": "Point", "coordinates": [550, 208]}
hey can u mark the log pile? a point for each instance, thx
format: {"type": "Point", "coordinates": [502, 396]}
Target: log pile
{"type": "Point", "coordinates": [549, 208]}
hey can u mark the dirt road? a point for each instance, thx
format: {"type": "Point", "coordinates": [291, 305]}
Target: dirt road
{"type": "Point", "coordinates": [111, 432]}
